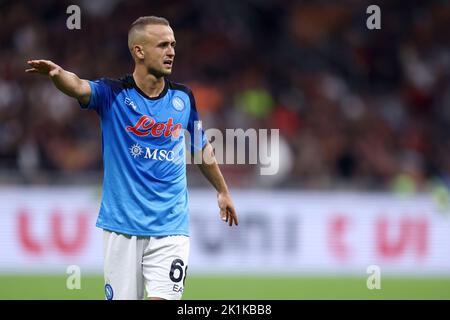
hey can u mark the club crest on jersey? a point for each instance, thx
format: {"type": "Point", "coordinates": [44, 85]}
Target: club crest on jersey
{"type": "Point", "coordinates": [146, 125]}
{"type": "Point", "coordinates": [178, 103]}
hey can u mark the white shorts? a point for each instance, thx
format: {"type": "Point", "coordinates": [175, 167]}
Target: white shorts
{"type": "Point", "coordinates": [156, 264]}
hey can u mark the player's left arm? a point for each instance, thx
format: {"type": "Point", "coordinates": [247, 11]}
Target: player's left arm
{"type": "Point", "coordinates": [211, 171]}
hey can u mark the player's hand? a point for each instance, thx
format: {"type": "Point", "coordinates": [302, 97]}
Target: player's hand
{"type": "Point", "coordinates": [227, 212]}
{"type": "Point", "coordinates": [45, 67]}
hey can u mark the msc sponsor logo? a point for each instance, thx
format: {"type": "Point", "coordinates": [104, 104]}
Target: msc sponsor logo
{"type": "Point", "coordinates": [136, 150]}
{"type": "Point", "coordinates": [155, 154]}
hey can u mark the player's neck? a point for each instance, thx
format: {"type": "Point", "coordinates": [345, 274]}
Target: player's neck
{"type": "Point", "coordinates": [148, 83]}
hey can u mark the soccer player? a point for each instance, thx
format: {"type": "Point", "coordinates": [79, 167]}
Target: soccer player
{"type": "Point", "coordinates": [144, 206]}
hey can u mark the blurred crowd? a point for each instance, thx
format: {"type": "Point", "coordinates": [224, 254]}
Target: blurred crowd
{"type": "Point", "coordinates": [356, 108]}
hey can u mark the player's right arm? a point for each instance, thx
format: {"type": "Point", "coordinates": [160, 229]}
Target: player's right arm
{"type": "Point", "coordinates": [66, 81]}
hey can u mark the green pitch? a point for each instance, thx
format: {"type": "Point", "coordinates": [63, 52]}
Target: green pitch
{"type": "Point", "coordinates": [223, 288]}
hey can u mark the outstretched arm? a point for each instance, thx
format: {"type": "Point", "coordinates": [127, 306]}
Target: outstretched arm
{"type": "Point", "coordinates": [211, 171]}
{"type": "Point", "coordinates": [66, 81]}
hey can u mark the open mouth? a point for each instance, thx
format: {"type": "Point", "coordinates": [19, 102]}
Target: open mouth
{"type": "Point", "coordinates": [168, 63]}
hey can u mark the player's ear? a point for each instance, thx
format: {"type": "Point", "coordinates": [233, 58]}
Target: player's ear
{"type": "Point", "coordinates": [138, 51]}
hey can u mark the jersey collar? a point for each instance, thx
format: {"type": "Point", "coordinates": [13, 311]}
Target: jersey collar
{"type": "Point", "coordinates": [130, 80]}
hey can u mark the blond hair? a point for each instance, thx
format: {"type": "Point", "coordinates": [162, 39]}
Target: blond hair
{"type": "Point", "coordinates": [139, 25]}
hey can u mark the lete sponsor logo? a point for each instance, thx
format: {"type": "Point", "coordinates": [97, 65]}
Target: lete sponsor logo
{"type": "Point", "coordinates": [146, 125]}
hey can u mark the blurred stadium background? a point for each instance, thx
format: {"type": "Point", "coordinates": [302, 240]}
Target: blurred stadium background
{"type": "Point", "coordinates": [364, 157]}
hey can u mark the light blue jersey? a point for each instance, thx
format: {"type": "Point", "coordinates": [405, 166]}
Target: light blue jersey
{"type": "Point", "coordinates": [143, 147]}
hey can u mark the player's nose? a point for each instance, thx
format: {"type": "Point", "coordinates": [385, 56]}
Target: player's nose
{"type": "Point", "coordinates": [171, 52]}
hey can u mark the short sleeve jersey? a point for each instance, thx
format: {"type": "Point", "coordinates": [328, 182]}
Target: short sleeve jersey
{"type": "Point", "coordinates": [144, 156]}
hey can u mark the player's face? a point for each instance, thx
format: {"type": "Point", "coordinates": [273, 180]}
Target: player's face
{"type": "Point", "coordinates": [159, 50]}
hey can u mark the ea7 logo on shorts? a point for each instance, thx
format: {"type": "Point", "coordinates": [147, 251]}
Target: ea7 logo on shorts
{"type": "Point", "coordinates": [146, 125]}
